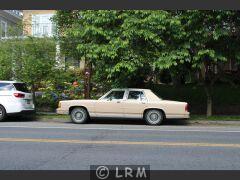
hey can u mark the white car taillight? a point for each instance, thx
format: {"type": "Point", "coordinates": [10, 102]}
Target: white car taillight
{"type": "Point", "coordinates": [19, 95]}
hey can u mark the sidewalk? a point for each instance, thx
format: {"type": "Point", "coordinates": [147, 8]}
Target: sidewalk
{"type": "Point", "coordinates": [210, 122]}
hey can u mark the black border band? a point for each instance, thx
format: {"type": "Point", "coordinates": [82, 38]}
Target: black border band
{"type": "Point", "coordinates": [154, 175]}
{"type": "Point", "coordinates": [121, 4]}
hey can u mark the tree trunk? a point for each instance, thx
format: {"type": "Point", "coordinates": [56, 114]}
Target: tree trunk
{"type": "Point", "coordinates": [209, 106]}
{"type": "Point", "coordinates": [87, 80]}
{"type": "Point", "coordinates": [33, 94]}
{"type": "Point", "coordinates": [208, 80]}
{"type": "Point", "coordinates": [208, 91]}
{"type": "Point", "coordinates": [175, 80]}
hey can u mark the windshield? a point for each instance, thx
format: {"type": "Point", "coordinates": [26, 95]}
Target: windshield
{"type": "Point", "coordinates": [21, 87]}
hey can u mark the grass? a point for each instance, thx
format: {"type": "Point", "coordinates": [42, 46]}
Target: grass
{"type": "Point", "coordinates": [215, 118]}
{"type": "Point", "coordinates": [51, 116]}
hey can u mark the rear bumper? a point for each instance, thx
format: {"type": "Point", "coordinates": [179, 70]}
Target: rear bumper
{"type": "Point", "coordinates": [23, 112]}
{"type": "Point", "coordinates": [179, 116]}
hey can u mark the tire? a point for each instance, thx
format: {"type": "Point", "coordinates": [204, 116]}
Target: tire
{"type": "Point", "coordinates": [3, 114]}
{"type": "Point", "coordinates": [154, 117]}
{"type": "Point", "coordinates": [79, 115]}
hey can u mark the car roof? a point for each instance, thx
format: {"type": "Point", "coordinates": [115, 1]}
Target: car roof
{"type": "Point", "coordinates": [131, 89]}
{"type": "Point", "coordinates": [10, 82]}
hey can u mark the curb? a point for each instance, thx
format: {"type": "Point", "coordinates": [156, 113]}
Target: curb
{"type": "Point", "coordinates": [176, 123]}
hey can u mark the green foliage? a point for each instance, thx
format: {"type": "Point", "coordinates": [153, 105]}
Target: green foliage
{"type": "Point", "coordinates": [225, 98]}
{"type": "Point", "coordinates": [30, 59]}
{"type": "Point", "coordinates": [46, 103]}
{"type": "Point", "coordinates": [124, 42]}
{"type": "Point", "coordinates": [37, 61]}
{"type": "Point", "coordinates": [33, 60]}
{"type": "Point", "coordinates": [128, 48]}
{"type": "Point", "coordinates": [121, 44]}
{"type": "Point", "coordinates": [5, 61]}
{"type": "Point", "coordinates": [211, 35]}
{"type": "Point", "coordinates": [60, 87]}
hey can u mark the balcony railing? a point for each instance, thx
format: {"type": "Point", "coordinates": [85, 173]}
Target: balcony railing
{"type": "Point", "coordinates": [16, 13]}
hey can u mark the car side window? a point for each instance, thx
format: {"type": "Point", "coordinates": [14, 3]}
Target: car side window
{"type": "Point", "coordinates": [115, 95]}
{"type": "Point", "coordinates": [6, 86]}
{"type": "Point", "coordinates": [136, 95]}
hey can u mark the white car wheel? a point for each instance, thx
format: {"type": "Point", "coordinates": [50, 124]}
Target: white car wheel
{"type": "Point", "coordinates": [79, 115]}
{"type": "Point", "coordinates": [154, 117]}
{"type": "Point", "coordinates": [2, 113]}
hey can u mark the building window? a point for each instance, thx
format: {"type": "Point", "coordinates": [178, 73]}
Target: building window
{"type": "Point", "coordinates": [3, 29]}
{"type": "Point", "coordinates": [42, 25]}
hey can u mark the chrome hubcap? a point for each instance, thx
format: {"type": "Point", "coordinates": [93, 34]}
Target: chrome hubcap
{"type": "Point", "coordinates": [78, 115]}
{"type": "Point", "coordinates": [154, 117]}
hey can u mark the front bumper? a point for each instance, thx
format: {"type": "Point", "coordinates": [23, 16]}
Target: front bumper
{"type": "Point", "coordinates": [61, 111]}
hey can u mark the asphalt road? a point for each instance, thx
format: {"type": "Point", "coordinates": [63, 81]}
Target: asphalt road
{"type": "Point", "coordinates": [65, 146]}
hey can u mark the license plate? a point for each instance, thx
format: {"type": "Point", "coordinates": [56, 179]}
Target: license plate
{"type": "Point", "coordinates": [28, 101]}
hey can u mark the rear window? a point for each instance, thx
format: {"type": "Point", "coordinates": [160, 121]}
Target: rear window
{"type": "Point", "coordinates": [21, 87]}
{"type": "Point", "coordinates": [6, 86]}
{"type": "Point", "coordinates": [135, 95]}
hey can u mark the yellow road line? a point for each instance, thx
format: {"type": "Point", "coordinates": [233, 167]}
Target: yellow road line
{"type": "Point", "coordinates": [157, 143]}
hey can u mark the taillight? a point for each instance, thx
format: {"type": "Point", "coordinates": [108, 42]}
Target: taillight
{"type": "Point", "coordinates": [19, 95]}
{"type": "Point", "coordinates": [187, 108]}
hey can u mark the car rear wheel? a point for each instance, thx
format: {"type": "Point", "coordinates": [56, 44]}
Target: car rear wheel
{"type": "Point", "coordinates": [3, 114]}
{"type": "Point", "coordinates": [154, 117]}
{"type": "Point", "coordinates": [79, 115]}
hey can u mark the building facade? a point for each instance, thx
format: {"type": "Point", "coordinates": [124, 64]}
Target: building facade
{"type": "Point", "coordinates": [38, 23]}
{"type": "Point", "coordinates": [9, 19]}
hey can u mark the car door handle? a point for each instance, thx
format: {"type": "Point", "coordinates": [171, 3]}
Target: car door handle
{"type": "Point", "coordinates": [118, 101]}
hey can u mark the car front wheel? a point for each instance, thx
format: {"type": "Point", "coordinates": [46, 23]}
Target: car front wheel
{"type": "Point", "coordinates": [79, 115]}
{"type": "Point", "coordinates": [154, 117]}
{"type": "Point", "coordinates": [2, 113]}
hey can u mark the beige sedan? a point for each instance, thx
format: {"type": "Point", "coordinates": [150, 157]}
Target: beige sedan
{"type": "Point", "coordinates": [125, 103]}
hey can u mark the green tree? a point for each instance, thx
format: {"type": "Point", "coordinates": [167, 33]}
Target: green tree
{"type": "Point", "coordinates": [29, 59]}
{"type": "Point", "coordinates": [125, 47]}
{"type": "Point", "coordinates": [5, 61]}
{"type": "Point", "coordinates": [128, 47]}
{"type": "Point", "coordinates": [212, 38]}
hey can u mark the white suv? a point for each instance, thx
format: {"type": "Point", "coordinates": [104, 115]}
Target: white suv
{"type": "Point", "coordinates": [15, 98]}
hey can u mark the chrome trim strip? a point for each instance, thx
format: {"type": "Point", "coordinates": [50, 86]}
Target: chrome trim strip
{"type": "Point", "coordinates": [116, 115]}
